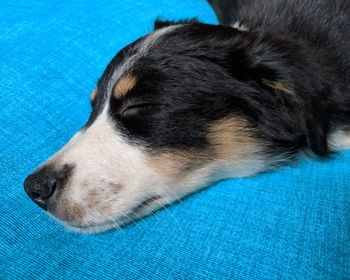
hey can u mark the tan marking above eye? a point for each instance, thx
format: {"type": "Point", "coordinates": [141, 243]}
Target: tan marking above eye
{"type": "Point", "coordinates": [93, 94]}
{"type": "Point", "coordinates": [278, 85]}
{"type": "Point", "coordinates": [124, 85]}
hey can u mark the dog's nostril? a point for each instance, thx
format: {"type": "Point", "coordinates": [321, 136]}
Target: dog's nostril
{"type": "Point", "coordinates": [34, 195]}
{"type": "Point", "coordinates": [49, 188]}
{"type": "Point", "coordinates": [53, 188]}
{"type": "Point", "coordinates": [41, 186]}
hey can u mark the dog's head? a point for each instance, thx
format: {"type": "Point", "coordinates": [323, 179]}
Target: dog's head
{"type": "Point", "coordinates": [184, 106]}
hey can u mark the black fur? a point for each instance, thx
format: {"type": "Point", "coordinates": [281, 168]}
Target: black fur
{"type": "Point", "coordinates": [200, 73]}
{"type": "Point", "coordinates": [225, 10]}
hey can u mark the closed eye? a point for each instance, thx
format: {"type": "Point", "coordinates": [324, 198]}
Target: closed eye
{"type": "Point", "coordinates": [135, 110]}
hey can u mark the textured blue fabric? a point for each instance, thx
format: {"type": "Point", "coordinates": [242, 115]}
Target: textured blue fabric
{"type": "Point", "coordinates": [290, 224]}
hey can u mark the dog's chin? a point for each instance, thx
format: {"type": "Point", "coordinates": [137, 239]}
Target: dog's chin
{"type": "Point", "coordinates": [93, 228]}
{"type": "Point", "coordinates": [148, 206]}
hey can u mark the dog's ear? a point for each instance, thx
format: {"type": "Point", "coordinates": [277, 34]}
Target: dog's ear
{"type": "Point", "coordinates": [265, 64]}
{"type": "Point", "coordinates": [159, 23]}
{"type": "Point", "coordinates": [272, 69]}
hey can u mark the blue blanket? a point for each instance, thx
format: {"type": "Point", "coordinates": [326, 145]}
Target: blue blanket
{"type": "Point", "coordinates": [290, 224]}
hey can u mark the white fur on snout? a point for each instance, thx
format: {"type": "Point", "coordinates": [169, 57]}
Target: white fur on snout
{"type": "Point", "coordinates": [110, 175]}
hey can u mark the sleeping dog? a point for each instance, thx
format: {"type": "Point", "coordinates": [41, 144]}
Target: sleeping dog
{"type": "Point", "coordinates": [193, 103]}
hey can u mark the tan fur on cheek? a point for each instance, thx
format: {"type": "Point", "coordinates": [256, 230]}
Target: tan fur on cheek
{"type": "Point", "coordinates": [177, 163]}
{"type": "Point", "coordinates": [232, 151]}
{"type": "Point", "coordinates": [168, 163]}
{"type": "Point", "coordinates": [124, 85]}
{"type": "Point", "coordinates": [231, 139]}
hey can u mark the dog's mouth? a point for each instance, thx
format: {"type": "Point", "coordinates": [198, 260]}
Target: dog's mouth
{"type": "Point", "coordinates": [146, 203]}
{"type": "Point", "coordinates": [147, 206]}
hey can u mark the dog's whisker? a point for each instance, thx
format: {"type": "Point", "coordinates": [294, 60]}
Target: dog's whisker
{"type": "Point", "coordinates": [173, 217]}
{"type": "Point", "coordinates": [132, 220]}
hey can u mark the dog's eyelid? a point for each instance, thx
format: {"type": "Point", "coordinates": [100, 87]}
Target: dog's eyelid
{"type": "Point", "coordinates": [136, 108]}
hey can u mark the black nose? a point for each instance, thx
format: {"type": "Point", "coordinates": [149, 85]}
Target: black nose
{"type": "Point", "coordinates": [42, 185]}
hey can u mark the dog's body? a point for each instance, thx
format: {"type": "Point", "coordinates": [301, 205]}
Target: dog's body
{"type": "Point", "coordinates": [192, 103]}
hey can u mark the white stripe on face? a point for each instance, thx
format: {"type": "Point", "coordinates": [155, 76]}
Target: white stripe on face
{"type": "Point", "coordinates": [142, 49]}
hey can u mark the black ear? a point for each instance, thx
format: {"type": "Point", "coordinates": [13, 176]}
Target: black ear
{"type": "Point", "coordinates": [264, 62]}
{"type": "Point", "coordinates": [159, 23]}
{"type": "Point", "coordinates": [278, 69]}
